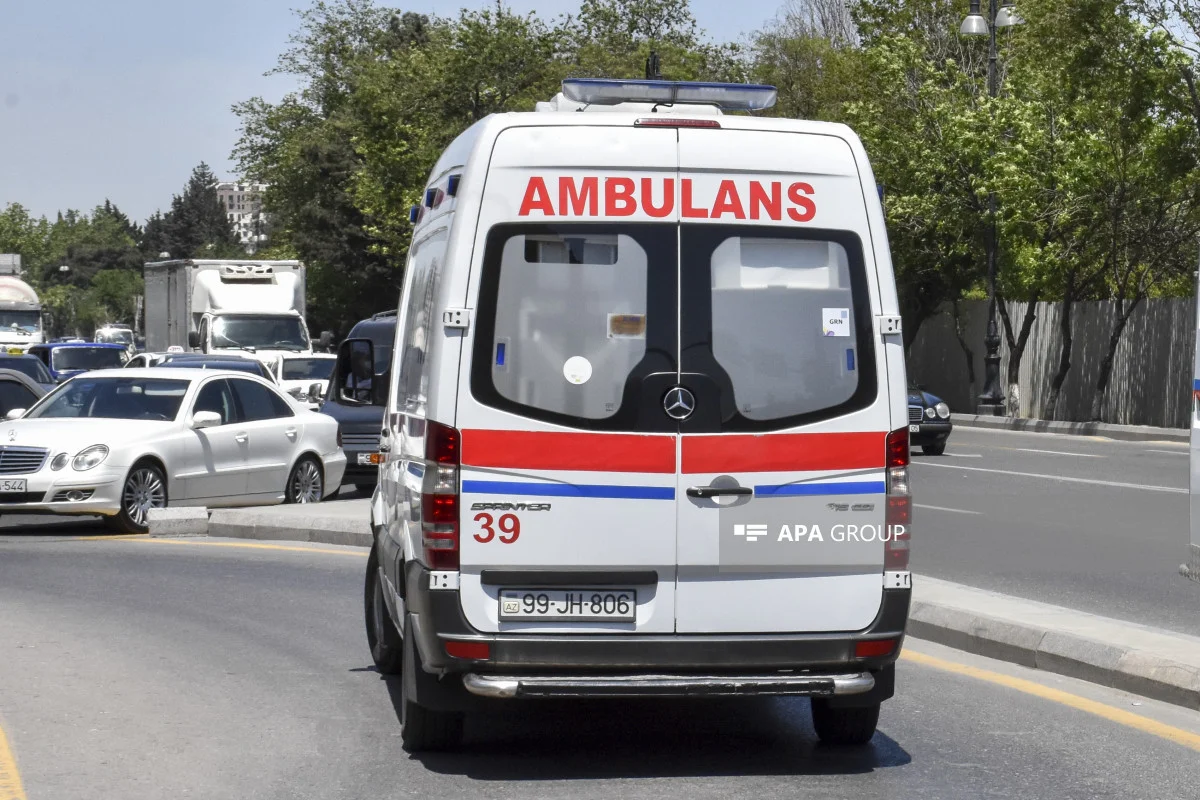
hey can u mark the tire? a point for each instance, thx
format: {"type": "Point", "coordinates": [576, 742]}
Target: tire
{"type": "Point", "coordinates": [144, 488]}
{"type": "Point", "coordinates": [933, 449]}
{"type": "Point", "coordinates": [844, 726]}
{"type": "Point", "coordinates": [423, 729]}
{"type": "Point", "coordinates": [387, 646]}
{"type": "Point", "coordinates": [305, 483]}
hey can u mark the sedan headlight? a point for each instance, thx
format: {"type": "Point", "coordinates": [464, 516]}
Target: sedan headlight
{"type": "Point", "coordinates": [90, 457]}
{"type": "Point", "coordinates": [929, 412]}
{"type": "Point", "coordinates": [943, 410]}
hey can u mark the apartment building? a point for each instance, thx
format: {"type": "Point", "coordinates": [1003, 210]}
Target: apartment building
{"type": "Point", "coordinates": [243, 204]}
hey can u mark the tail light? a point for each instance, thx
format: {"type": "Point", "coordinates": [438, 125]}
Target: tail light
{"type": "Point", "coordinates": [439, 497]}
{"type": "Point", "coordinates": [898, 517]}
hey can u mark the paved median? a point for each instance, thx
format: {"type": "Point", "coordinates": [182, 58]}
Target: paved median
{"type": "Point", "coordinates": [1146, 661]}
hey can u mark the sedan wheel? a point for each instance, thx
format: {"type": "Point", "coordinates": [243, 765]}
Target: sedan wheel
{"type": "Point", "coordinates": [305, 484]}
{"type": "Point", "coordinates": [144, 489]}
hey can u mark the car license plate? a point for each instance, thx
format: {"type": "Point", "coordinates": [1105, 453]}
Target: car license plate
{"type": "Point", "coordinates": [914, 428]}
{"type": "Point", "coordinates": [568, 604]}
{"type": "Point", "coordinates": [15, 485]}
{"type": "Point", "coordinates": [368, 458]}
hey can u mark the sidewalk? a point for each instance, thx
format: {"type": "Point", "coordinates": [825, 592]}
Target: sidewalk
{"type": "Point", "coordinates": [1135, 658]}
{"type": "Point", "coordinates": [1129, 433]}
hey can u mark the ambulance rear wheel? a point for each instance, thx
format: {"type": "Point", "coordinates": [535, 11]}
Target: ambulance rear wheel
{"type": "Point", "coordinates": [387, 649]}
{"type": "Point", "coordinates": [423, 728]}
{"type": "Point", "coordinates": [844, 726]}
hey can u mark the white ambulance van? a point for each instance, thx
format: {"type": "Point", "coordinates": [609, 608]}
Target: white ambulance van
{"type": "Point", "coordinates": [646, 426]}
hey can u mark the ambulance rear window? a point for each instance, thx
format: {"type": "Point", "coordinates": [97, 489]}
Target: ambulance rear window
{"type": "Point", "coordinates": [572, 318]}
{"type": "Point", "coordinates": [554, 348]}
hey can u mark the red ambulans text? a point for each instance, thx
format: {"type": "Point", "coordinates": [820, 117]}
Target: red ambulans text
{"type": "Point", "coordinates": [569, 196]}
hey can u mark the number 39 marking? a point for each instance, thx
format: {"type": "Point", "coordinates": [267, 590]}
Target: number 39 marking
{"type": "Point", "coordinates": [510, 528]}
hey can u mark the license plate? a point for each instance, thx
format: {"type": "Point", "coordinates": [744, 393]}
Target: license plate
{"type": "Point", "coordinates": [15, 485]}
{"type": "Point", "coordinates": [568, 604]}
{"type": "Point", "coordinates": [914, 428]}
{"type": "Point", "coordinates": [368, 458]}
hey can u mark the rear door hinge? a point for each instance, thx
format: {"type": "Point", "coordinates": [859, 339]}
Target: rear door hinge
{"type": "Point", "coordinates": [456, 318]}
{"type": "Point", "coordinates": [889, 324]}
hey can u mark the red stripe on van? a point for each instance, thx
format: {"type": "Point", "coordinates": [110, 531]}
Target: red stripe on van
{"type": "Point", "coordinates": [585, 452]}
{"type": "Point", "coordinates": [783, 452]}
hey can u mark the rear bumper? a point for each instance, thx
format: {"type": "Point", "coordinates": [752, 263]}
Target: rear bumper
{"type": "Point", "coordinates": [706, 662]}
{"type": "Point", "coordinates": [641, 685]}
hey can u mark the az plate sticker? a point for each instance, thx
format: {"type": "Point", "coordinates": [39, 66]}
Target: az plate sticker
{"type": "Point", "coordinates": [835, 322]}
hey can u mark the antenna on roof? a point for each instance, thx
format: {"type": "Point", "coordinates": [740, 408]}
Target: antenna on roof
{"type": "Point", "coordinates": [653, 72]}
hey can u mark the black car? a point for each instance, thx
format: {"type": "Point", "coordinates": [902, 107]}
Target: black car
{"type": "Point", "coordinates": [17, 391]}
{"type": "Point", "coordinates": [359, 419]}
{"type": "Point", "coordinates": [928, 421]}
{"type": "Point", "coordinates": [31, 366]}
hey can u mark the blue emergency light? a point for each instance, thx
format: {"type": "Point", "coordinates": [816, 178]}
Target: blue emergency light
{"type": "Point", "coordinates": [727, 96]}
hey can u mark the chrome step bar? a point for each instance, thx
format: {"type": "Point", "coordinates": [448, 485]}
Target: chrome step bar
{"type": "Point", "coordinates": [638, 685]}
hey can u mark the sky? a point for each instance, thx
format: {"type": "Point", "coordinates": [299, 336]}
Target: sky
{"type": "Point", "coordinates": [119, 100]}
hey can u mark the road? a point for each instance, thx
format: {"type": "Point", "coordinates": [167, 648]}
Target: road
{"type": "Point", "coordinates": [1096, 525]}
{"type": "Point", "coordinates": [136, 668]}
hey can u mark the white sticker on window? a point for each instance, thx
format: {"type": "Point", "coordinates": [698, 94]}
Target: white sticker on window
{"type": "Point", "coordinates": [835, 321]}
{"type": "Point", "coordinates": [577, 370]}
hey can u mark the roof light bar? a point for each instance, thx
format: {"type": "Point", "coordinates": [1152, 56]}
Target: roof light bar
{"type": "Point", "coordinates": [727, 96]}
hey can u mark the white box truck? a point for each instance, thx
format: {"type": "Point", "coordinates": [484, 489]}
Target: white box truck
{"type": "Point", "coordinates": [245, 308]}
{"type": "Point", "coordinates": [21, 321]}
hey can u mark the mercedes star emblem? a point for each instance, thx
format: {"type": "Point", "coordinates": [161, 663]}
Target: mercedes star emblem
{"type": "Point", "coordinates": [679, 403]}
{"type": "Point", "coordinates": [12, 434]}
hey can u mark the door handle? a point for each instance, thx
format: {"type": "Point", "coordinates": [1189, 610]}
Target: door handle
{"type": "Point", "coordinates": [719, 491]}
{"type": "Point", "coordinates": [290, 433]}
{"type": "Point", "coordinates": [241, 438]}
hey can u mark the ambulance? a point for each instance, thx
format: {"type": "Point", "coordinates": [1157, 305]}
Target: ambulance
{"type": "Point", "coordinates": [646, 429]}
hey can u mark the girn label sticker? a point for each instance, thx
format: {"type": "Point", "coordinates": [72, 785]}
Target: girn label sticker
{"type": "Point", "coordinates": [835, 322]}
{"type": "Point", "coordinates": [577, 370]}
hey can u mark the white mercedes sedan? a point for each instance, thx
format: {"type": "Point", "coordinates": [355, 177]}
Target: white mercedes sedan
{"type": "Point", "coordinates": [121, 442]}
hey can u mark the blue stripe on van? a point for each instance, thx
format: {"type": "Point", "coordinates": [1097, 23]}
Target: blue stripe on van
{"type": "Point", "coordinates": [851, 487]}
{"type": "Point", "coordinates": [570, 490]}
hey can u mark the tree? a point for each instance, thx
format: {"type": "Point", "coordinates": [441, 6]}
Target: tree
{"type": "Point", "coordinates": [1100, 166]}
{"type": "Point", "coordinates": [197, 226]}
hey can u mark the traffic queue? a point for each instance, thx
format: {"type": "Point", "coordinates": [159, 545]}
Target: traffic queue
{"type": "Point", "coordinates": [93, 430]}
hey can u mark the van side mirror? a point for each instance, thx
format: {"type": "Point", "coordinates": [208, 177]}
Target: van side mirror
{"type": "Point", "coordinates": [354, 376]}
{"type": "Point", "coordinates": [326, 340]}
{"type": "Point", "coordinates": [316, 391]}
{"type": "Point", "coordinates": [194, 339]}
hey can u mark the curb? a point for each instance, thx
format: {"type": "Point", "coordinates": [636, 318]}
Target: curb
{"type": "Point", "coordinates": [1128, 433]}
{"type": "Point", "coordinates": [242, 524]}
{"type": "Point", "coordinates": [1139, 659]}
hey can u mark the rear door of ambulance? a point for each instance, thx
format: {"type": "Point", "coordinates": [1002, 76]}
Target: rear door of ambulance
{"type": "Point", "coordinates": [782, 471]}
{"type": "Point", "coordinates": [568, 463]}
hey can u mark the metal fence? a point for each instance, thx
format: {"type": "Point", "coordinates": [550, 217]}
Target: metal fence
{"type": "Point", "coordinates": [1151, 382]}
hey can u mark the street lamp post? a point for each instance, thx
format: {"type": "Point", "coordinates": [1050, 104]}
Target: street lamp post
{"type": "Point", "coordinates": [991, 399]}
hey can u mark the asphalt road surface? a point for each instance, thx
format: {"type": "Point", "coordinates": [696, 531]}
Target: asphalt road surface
{"type": "Point", "coordinates": [1092, 524]}
{"type": "Point", "coordinates": [138, 668]}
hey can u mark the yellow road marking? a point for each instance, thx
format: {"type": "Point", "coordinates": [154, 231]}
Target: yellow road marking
{"type": "Point", "coordinates": [10, 779]}
{"type": "Point", "coordinates": [1110, 713]}
{"type": "Point", "coordinates": [249, 546]}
